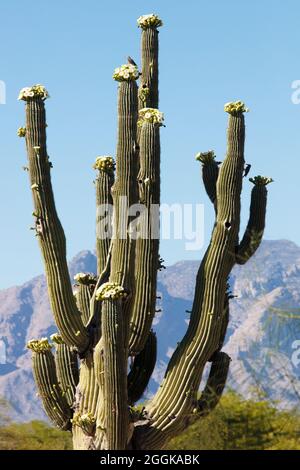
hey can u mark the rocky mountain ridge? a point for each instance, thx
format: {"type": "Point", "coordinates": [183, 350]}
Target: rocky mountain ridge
{"type": "Point", "coordinates": [259, 339]}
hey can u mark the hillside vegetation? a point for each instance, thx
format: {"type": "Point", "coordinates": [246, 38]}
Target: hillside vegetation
{"type": "Point", "coordinates": [236, 424]}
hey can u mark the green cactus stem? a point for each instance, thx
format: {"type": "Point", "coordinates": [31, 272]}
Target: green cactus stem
{"type": "Point", "coordinates": [147, 244]}
{"type": "Point", "coordinates": [67, 368]}
{"type": "Point", "coordinates": [115, 374]}
{"type": "Point", "coordinates": [142, 369]}
{"type": "Point", "coordinates": [148, 89]}
{"type": "Point", "coordinates": [150, 118]}
{"type": "Point", "coordinates": [51, 235]}
{"type": "Point", "coordinates": [83, 297]}
{"type": "Point", "coordinates": [203, 335]}
{"type": "Point", "coordinates": [224, 319]}
{"type": "Point", "coordinates": [115, 312]}
{"type": "Point", "coordinates": [54, 400]}
{"type": "Point", "coordinates": [125, 185]}
{"type": "Point", "coordinates": [210, 173]}
{"type": "Point", "coordinates": [256, 225]}
{"type": "Point", "coordinates": [86, 402]}
{"type": "Point", "coordinates": [104, 181]}
{"type": "Point", "coordinates": [215, 385]}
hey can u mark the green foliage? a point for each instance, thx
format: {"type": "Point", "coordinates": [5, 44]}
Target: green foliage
{"type": "Point", "coordinates": [238, 424]}
{"type": "Point", "coordinates": [33, 436]}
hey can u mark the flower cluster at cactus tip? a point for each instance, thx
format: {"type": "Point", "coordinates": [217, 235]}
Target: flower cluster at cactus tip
{"type": "Point", "coordinates": [126, 73]}
{"type": "Point", "coordinates": [35, 91]}
{"type": "Point", "coordinates": [39, 345]}
{"type": "Point", "coordinates": [85, 278]}
{"type": "Point", "coordinates": [261, 180]}
{"type": "Point", "coordinates": [235, 108]}
{"type": "Point", "coordinates": [111, 290]}
{"type": "Point", "coordinates": [151, 115]}
{"type": "Point", "coordinates": [56, 338]}
{"type": "Point", "coordinates": [104, 163]}
{"type": "Point", "coordinates": [149, 21]}
{"type": "Point", "coordinates": [205, 157]}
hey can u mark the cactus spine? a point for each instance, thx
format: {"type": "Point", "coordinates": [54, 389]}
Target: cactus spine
{"type": "Point", "coordinates": [108, 319]}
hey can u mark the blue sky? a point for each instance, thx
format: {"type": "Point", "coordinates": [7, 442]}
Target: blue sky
{"type": "Point", "coordinates": [210, 53]}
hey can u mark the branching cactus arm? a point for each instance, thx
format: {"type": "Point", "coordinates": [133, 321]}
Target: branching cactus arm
{"type": "Point", "coordinates": [147, 245]}
{"type": "Point", "coordinates": [176, 397]}
{"type": "Point", "coordinates": [66, 362]}
{"type": "Point", "coordinates": [142, 369]}
{"type": "Point", "coordinates": [124, 190]}
{"type": "Point", "coordinates": [48, 227]}
{"type": "Point", "coordinates": [256, 225]}
{"type": "Point", "coordinates": [148, 90]}
{"type": "Point", "coordinates": [215, 385]}
{"type": "Point", "coordinates": [82, 295]}
{"type": "Point", "coordinates": [210, 173]}
{"type": "Point", "coordinates": [105, 166]}
{"type": "Point", "coordinates": [85, 284]}
{"type": "Point", "coordinates": [53, 398]}
{"type": "Point", "coordinates": [114, 294]}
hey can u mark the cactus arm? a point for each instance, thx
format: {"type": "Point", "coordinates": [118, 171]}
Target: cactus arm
{"type": "Point", "coordinates": [85, 287]}
{"type": "Point", "coordinates": [124, 190]}
{"type": "Point", "coordinates": [67, 370]}
{"type": "Point", "coordinates": [100, 436]}
{"type": "Point", "coordinates": [85, 407]}
{"type": "Point", "coordinates": [103, 183]}
{"type": "Point", "coordinates": [142, 369]}
{"type": "Point", "coordinates": [147, 246]}
{"type": "Point", "coordinates": [54, 400]}
{"type": "Point", "coordinates": [224, 321]}
{"type": "Point", "coordinates": [215, 385]}
{"type": "Point", "coordinates": [66, 367]}
{"type": "Point", "coordinates": [175, 398]}
{"type": "Point", "coordinates": [148, 89]}
{"type": "Point", "coordinates": [146, 252]}
{"type": "Point", "coordinates": [83, 298]}
{"type": "Point", "coordinates": [49, 230]}
{"type": "Point", "coordinates": [210, 173]}
{"type": "Point", "coordinates": [256, 224]}
{"type": "Point", "coordinates": [95, 305]}
{"type": "Point", "coordinates": [115, 314]}
{"type": "Point", "coordinates": [115, 374]}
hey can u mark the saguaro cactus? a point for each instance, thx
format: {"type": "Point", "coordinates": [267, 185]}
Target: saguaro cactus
{"type": "Point", "coordinates": [105, 325]}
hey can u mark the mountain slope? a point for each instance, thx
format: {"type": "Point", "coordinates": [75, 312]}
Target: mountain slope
{"type": "Point", "coordinates": [259, 339]}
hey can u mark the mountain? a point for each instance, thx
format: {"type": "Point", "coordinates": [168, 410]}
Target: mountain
{"type": "Point", "coordinates": [259, 340]}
